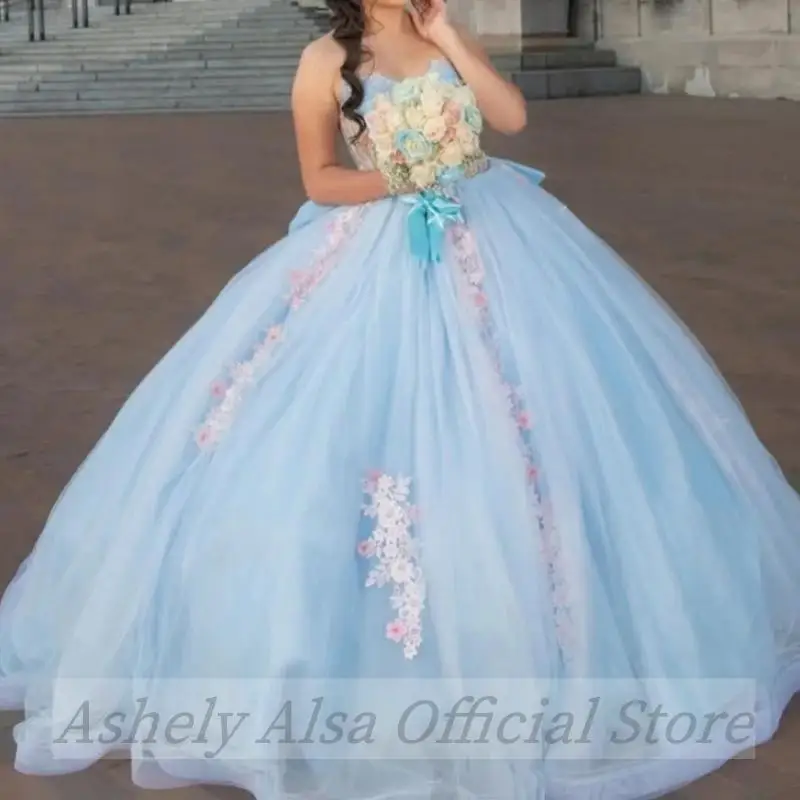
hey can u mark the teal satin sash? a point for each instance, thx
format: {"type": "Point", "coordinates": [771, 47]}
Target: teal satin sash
{"type": "Point", "coordinates": [428, 218]}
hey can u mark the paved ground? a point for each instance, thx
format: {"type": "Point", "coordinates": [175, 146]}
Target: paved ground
{"type": "Point", "coordinates": [115, 233]}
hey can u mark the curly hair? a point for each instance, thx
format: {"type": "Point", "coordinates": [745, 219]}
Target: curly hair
{"type": "Point", "coordinates": [348, 26]}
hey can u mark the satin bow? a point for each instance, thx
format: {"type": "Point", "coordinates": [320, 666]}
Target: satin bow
{"type": "Point", "coordinates": [429, 215]}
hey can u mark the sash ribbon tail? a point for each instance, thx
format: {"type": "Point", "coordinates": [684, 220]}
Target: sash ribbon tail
{"type": "Point", "coordinates": [428, 218]}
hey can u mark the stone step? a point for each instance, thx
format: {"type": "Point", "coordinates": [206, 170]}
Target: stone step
{"type": "Point", "coordinates": [206, 7]}
{"type": "Point", "coordinates": [173, 52]}
{"type": "Point", "coordinates": [202, 55]}
{"type": "Point", "coordinates": [234, 14]}
{"type": "Point", "coordinates": [230, 17]}
{"type": "Point", "coordinates": [233, 83]}
{"type": "Point", "coordinates": [565, 58]}
{"type": "Point", "coordinates": [536, 85]}
{"type": "Point", "coordinates": [89, 46]}
{"type": "Point", "coordinates": [154, 66]}
{"type": "Point", "coordinates": [56, 50]}
{"type": "Point", "coordinates": [112, 34]}
{"type": "Point", "coordinates": [59, 28]}
{"type": "Point", "coordinates": [531, 44]}
{"type": "Point", "coordinates": [156, 73]}
{"type": "Point", "coordinates": [549, 84]}
{"type": "Point", "coordinates": [138, 106]}
{"type": "Point", "coordinates": [230, 32]}
{"type": "Point", "coordinates": [150, 67]}
{"type": "Point", "coordinates": [94, 70]}
{"type": "Point", "coordinates": [157, 59]}
{"type": "Point", "coordinates": [262, 93]}
{"type": "Point", "coordinates": [211, 85]}
{"type": "Point", "coordinates": [135, 90]}
{"type": "Point", "coordinates": [245, 24]}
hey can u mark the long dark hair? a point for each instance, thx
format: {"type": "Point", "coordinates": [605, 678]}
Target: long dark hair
{"type": "Point", "coordinates": [348, 25]}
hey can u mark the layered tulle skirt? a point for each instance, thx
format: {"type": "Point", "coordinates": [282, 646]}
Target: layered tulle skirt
{"type": "Point", "coordinates": [384, 481]}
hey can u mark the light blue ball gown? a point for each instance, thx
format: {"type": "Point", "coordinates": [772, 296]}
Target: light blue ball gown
{"type": "Point", "coordinates": [443, 436]}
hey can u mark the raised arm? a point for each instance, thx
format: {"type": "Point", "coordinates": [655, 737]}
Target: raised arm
{"type": "Point", "coordinates": [501, 103]}
{"type": "Point", "coordinates": [315, 106]}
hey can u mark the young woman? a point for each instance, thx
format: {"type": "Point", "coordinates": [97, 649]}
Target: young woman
{"type": "Point", "coordinates": [439, 435]}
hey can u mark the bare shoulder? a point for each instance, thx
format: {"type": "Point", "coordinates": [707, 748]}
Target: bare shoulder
{"type": "Point", "coordinates": [323, 55]}
{"type": "Point", "coordinates": [318, 72]}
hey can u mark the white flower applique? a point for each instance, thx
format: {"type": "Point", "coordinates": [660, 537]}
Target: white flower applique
{"type": "Point", "coordinates": [229, 392]}
{"type": "Point", "coordinates": [340, 230]}
{"type": "Point", "coordinates": [397, 553]}
{"type": "Point", "coordinates": [470, 265]}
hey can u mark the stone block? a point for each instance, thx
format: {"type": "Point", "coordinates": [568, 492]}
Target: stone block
{"type": "Point", "coordinates": [764, 67]}
{"type": "Point", "coordinates": [787, 51]}
{"type": "Point", "coordinates": [111, 2]}
{"type": "Point", "coordinates": [750, 16]}
{"type": "Point", "coordinates": [566, 83]}
{"type": "Point", "coordinates": [497, 17]}
{"type": "Point", "coordinates": [701, 83]}
{"type": "Point", "coordinates": [532, 84]}
{"type": "Point", "coordinates": [593, 82]}
{"type": "Point", "coordinates": [619, 18]}
{"type": "Point", "coordinates": [670, 79]}
{"type": "Point", "coordinates": [586, 20]}
{"type": "Point", "coordinates": [745, 82]}
{"type": "Point", "coordinates": [662, 52]}
{"type": "Point", "coordinates": [675, 17]}
{"type": "Point", "coordinates": [534, 60]}
{"type": "Point", "coordinates": [507, 62]}
{"type": "Point", "coordinates": [544, 17]}
{"type": "Point", "coordinates": [460, 11]}
{"type": "Point", "coordinates": [570, 58]}
{"type": "Point", "coordinates": [787, 82]}
{"type": "Point", "coordinates": [758, 52]}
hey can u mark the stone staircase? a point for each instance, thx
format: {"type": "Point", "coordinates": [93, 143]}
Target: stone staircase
{"type": "Point", "coordinates": [190, 55]}
{"type": "Point", "coordinates": [550, 70]}
{"type": "Point", "coordinates": [216, 55]}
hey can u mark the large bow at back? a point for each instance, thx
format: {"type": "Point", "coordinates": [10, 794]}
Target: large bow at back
{"type": "Point", "coordinates": [430, 214]}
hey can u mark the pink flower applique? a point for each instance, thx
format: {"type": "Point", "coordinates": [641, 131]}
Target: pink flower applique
{"type": "Point", "coordinates": [366, 549]}
{"type": "Point", "coordinates": [230, 393]}
{"type": "Point", "coordinates": [218, 389]}
{"type": "Point", "coordinates": [370, 483]}
{"type": "Point", "coordinates": [340, 229]}
{"type": "Point", "coordinates": [470, 266]}
{"type": "Point", "coordinates": [396, 631]}
{"type": "Point", "coordinates": [397, 553]}
{"type": "Point", "coordinates": [559, 587]}
{"type": "Point", "coordinates": [204, 437]}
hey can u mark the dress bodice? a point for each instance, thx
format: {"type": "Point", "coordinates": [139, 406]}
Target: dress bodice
{"type": "Point", "coordinates": [421, 131]}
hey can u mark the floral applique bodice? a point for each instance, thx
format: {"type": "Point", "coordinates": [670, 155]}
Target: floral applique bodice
{"type": "Point", "coordinates": [421, 132]}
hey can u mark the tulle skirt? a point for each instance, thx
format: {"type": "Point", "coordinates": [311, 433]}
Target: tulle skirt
{"type": "Point", "coordinates": [390, 482]}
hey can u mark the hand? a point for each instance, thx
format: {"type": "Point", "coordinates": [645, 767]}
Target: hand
{"type": "Point", "coordinates": [432, 24]}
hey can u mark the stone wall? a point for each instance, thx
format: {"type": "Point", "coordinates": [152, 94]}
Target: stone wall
{"type": "Point", "coordinates": [511, 19]}
{"type": "Point", "coordinates": [503, 20]}
{"type": "Point", "coordinates": [729, 48]}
